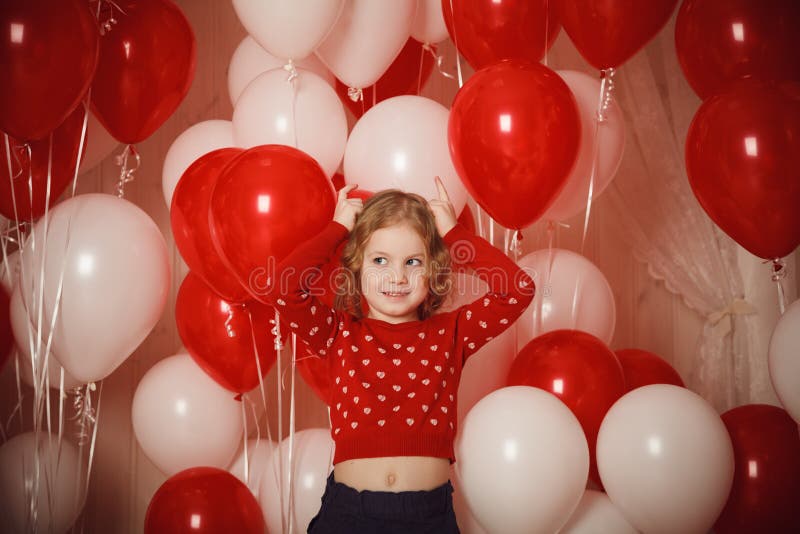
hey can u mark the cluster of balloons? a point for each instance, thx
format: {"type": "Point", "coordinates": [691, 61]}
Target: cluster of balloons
{"type": "Point", "coordinates": [133, 77]}
{"type": "Point", "coordinates": [743, 148]}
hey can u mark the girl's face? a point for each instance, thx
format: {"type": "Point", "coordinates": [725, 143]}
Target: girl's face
{"type": "Point", "coordinates": [393, 274]}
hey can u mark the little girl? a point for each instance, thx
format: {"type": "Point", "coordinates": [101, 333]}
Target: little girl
{"type": "Point", "coordinates": [394, 364]}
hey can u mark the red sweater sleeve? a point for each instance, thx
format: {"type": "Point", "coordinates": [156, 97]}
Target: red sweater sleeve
{"type": "Point", "coordinates": [292, 294]}
{"type": "Point", "coordinates": [511, 290]}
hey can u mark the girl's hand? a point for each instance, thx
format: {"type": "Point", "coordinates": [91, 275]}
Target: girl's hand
{"type": "Point", "coordinates": [443, 210]}
{"type": "Point", "coordinates": [347, 208]}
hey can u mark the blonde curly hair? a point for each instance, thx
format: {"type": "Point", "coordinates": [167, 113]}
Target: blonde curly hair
{"type": "Point", "coordinates": [384, 209]}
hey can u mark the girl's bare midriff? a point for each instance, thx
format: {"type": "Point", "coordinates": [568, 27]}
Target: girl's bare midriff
{"type": "Point", "coordinates": [393, 473]}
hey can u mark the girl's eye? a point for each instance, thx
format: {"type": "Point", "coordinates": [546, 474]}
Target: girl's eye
{"type": "Point", "coordinates": [378, 260]}
{"type": "Point", "coordinates": [417, 260]}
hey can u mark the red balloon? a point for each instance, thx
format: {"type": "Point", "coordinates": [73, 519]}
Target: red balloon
{"type": "Point", "coordinates": [720, 42]}
{"type": "Point", "coordinates": [765, 495]}
{"type": "Point", "coordinates": [33, 168]}
{"type": "Point", "coordinates": [580, 370]}
{"type": "Point", "coordinates": [267, 200]}
{"type": "Point", "coordinates": [514, 133]}
{"type": "Point", "coordinates": [487, 31]}
{"type": "Point", "coordinates": [405, 76]}
{"type": "Point", "coordinates": [642, 368]}
{"type": "Point", "coordinates": [48, 55]}
{"type": "Point", "coordinates": [743, 163]}
{"type": "Point", "coordinates": [147, 63]}
{"type": "Point", "coordinates": [6, 334]}
{"type": "Point", "coordinates": [203, 500]}
{"type": "Point", "coordinates": [189, 218]}
{"type": "Point", "coordinates": [222, 337]}
{"type": "Point", "coordinates": [608, 33]}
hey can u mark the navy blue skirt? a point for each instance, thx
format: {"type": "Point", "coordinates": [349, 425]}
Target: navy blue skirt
{"type": "Point", "coordinates": [346, 509]}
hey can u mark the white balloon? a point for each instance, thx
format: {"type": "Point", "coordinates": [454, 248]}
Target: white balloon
{"type": "Point", "coordinates": [429, 26]}
{"type": "Point", "coordinates": [116, 278]}
{"type": "Point", "coordinates": [596, 514]}
{"type": "Point", "coordinates": [269, 112]}
{"type": "Point", "coordinates": [571, 293]}
{"type": "Point", "coordinates": [611, 134]}
{"type": "Point", "coordinates": [365, 40]}
{"type": "Point", "coordinates": [249, 60]}
{"type": "Point", "coordinates": [182, 418]}
{"type": "Point", "coordinates": [402, 143]}
{"type": "Point", "coordinates": [288, 29]}
{"type": "Point", "coordinates": [195, 141]}
{"type": "Point", "coordinates": [25, 334]}
{"type": "Point", "coordinates": [665, 459]}
{"type": "Point", "coordinates": [98, 145]}
{"type": "Point", "coordinates": [61, 484]}
{"type": "Point", "coordinates": [523, 461]}
{"type": "Point", "coordinates": [9, 270]}
{"type": "Point", "coordinates": [312, 456]}
{"type": "Point", "coordinates": [258, 455]}
{"type": "Point", "coordinates": [784, 360]}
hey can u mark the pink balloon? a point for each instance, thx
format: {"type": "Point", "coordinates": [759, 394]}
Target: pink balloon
{"type": "Point", "coordinates": [366, 39]}
{"type": "Point", "coordinates": [311, 462]}
{"type": "Point", "coordinates": [115, 280]}
{"type": "Point", "coordinates": [402, 143]}
{"type": "Point", "coordinates": [288, 30]}
{"type": "Point", "coordinates": [249, 60]}
{"type": "Point", "coordinates": [24, 335]}
{"type": "Point", "coordinates": [311, 117]}
{"type": "Point", "coordinates": [571, 293]}
{"type": "Point", "coordinates": [611, 136]}
{"type": "Point", "coordinates": [183, 419]}
{"type": "Point", "coordinates": [195, 142]}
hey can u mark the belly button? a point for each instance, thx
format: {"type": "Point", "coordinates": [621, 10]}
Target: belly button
{"type": "Point", "coordinates": [390, 479]}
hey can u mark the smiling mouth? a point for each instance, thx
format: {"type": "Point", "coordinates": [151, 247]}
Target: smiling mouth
{"type": "Point", "coordinates": [389, 294]}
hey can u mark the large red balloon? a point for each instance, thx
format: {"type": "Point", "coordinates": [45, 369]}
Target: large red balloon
{"type": "Point", "coordinates": [743, 163]}
{"type": "Point", "coordinates": [203, 500]}
{"type": "Point", "coordinates": [579, 369]}
{"type": "Point", "coordinates": [486, 31]}
{"type": "Point", "coordinates": [405, 76]}
{"type": "Point", "coordinates": [267, 200]}
{"type": "Point", "coordinates": [189, 218]}
{"type": "Point", "coordinates": [29, 171]}
{"type": "Point", "coordinates": [147, 64]}
{"type": "Point", "coordinates": [48, 55]}
{"type": "Point", "coordinates": [721, 41]}
{"type": "Point", "coordinates": [607, 33]}
{"type": "Point", "coordinates": [223, 337]}
{"type": "Point", "coordinates": [642, 368]}
{"type": "Point", "coordinates": [765, 495]}
{"type": "Point", "coordinates": [514, 133]}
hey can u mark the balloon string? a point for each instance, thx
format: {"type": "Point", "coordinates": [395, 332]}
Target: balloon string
{"type": "Point", "coordinates": [479, 216]}
{"type": "Point", "coordinates": [546, 30]}
{"type": "Point", "coordinates": [355, 94]}
{"type": "Point", "coordinates": [604, 101]}
{"type": "Point", "coordinates": [292, 79]}
{"type": "Point", "coordinates": [291, 439]}
{"type": "Point", "coordinates": [438, 61]}
{"type": "Point", "coordinates": [278, 348]}
{"type": "Point", "coordinates": [455, 42]}
{"type": "Point", "coordinates": [246, 457]}
{"type": "Point", "coordinates": [421, 61]}
{"type": "Point", "coordinates": [778, 274]}
{"type": "Point", "coordinates": [107, 24]}
{"type": "Point", "coordinates": [280, 437]}
{"type": "Point", "coordinates": [125, 173]}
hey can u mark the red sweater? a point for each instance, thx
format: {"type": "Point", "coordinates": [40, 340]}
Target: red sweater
{"type": "Point", "coordinates": [393, 386]}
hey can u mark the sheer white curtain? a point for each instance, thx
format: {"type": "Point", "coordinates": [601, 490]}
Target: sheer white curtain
{"type": "Point", "coordinates": [659, 217]}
